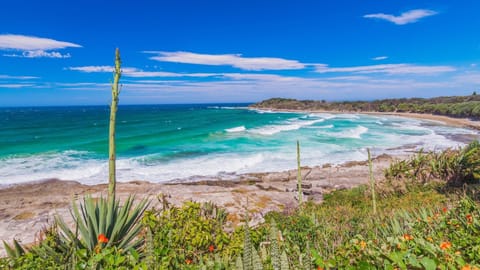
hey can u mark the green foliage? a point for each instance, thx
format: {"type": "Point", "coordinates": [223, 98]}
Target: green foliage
{"type": "Point", "coordinates": [14, 252]}
{"type": "Point", "coordinates": [455, 167]}
{"type": "Point", "coordinates": [185, 234]}
{"type": "Point", "coordinates": [95, 217]}
{"type": "Point", "coordinates": [408, 233]}
{"type": "Point", "coordinates": [455, 106]}
{"type": "Point", "coordinates": [274, 247]}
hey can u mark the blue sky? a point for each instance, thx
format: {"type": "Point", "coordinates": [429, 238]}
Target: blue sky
{"type": "Point", "coordinates": [61, 53]}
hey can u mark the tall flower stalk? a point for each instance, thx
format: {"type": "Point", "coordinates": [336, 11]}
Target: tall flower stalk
{"type": "Point", "coordinates": [299, 175]}
{"type": "Point", "coordinates": [111, 138]}
{"type": "Point", "coordinates": [372, 182]}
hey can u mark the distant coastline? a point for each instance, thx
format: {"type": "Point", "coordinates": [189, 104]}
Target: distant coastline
{"type": "Point", "coordinates": [463, 111]}
{"type": "Point", "coordinates": [448, 120]}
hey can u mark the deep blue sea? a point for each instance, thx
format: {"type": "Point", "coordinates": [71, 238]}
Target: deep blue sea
{"type": "Point", "coordinates": [159, 143]}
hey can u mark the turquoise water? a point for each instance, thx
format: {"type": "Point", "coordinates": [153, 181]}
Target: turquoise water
{"type": "Point", "coordinates": [166, 142]}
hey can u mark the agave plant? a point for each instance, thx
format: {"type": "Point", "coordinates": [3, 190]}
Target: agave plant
{"type": "Point", "coordinates": [14, 252]}
{"type": "Point", "coordinates": [102, 222]}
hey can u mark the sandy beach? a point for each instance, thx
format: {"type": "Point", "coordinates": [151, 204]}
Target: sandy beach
{"type": "Point", "coordinates": [450, 121]}
{"type": "Point", "coordinates": [27, 208]}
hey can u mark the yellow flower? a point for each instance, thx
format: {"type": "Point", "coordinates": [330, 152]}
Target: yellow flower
{"type": "Point", "coordinates": [363, 244]}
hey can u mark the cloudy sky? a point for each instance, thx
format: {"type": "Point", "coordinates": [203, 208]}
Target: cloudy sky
{"type": "Point", "coordinates": [61, 52]}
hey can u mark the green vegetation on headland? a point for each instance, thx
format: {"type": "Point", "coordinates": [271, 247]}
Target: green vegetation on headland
{"type": "Point", "coordinates": [427, 217]}
{"type": "Point", "coordinates": [455, 106]}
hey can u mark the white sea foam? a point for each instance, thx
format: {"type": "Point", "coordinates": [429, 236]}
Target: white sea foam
{"type": "Point", "coordinates": [354, 133]}
{"type": "Point", "coordinates": [291, 124]}
{"type": "Point", "coordinates": [89, 168]}
{"type": "Point", "coordinates": [326, 126]}
{"type": "Point", "coordinates": [348, 116]}
{"type": "Point", "coordinates": [235, 129]}
{"type": "Point", "coordinates": [325, 116]}
{"type": "Point", "coordinates": [68, 165]}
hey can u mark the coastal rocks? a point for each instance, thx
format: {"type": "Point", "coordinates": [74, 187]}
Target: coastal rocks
{"type": "Point", "coordinates": [26, 209]}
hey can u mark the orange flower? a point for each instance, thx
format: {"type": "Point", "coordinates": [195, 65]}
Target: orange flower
{"type": "Point", "coordinates": [469, 219]}
{"type": "Point", "coordinates": [211, 248]}
{"type": "Point", "coordinates": [363, 244]}
{"type": "Point", "coordinates": [319, 268]}
{"type": "Point", "coordinates": [102, 238]}
{"type": "Point", "coordinates": [445, 245]}
{"type": "Point", "coordinates": [188, 261]}
{"type": "Point", "coordinates": [407, 237]}
{"type": "Point", "coordinates": [444, 210]}
{"type": "Point", "coordinates": [466, 267]}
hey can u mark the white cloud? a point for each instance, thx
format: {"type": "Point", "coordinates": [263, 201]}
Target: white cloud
{"type": "Point", "coordinates": [138, 73]}
{"type": "Point", "coordinates": [34, 47]}
{"type": "Point", "coordinates": [2, 76]}
{"type": "Point", "coordinates": [391, 69]}
{"type": "Point", "coordinates": [236, 87]}
{"type": "Point", "coordinates": [378, 58]}
{"type": "Point", "coordinates": [257, 77]}
{"type": "Point", "coordinates": [147, 74]}
{"type": "Point", "coordinates": [15, 85]}
{"type": "Point", "coordinates": [349, 78]}
{"type": "Point", "coordinates": [92, 69]}
{"type": "Point", "coordinates": [31, 43]}
{"type": "Point", "coordinates": [404, 18]}
{"type": "Point", "coordinates": [39, 54]}
{"type": "Point", "coordinates": [473, 78]}
{"type": "Point", "coordinates": [234, 60]}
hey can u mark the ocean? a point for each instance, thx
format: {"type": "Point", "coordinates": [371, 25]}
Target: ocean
{"type": "Point", "coordinates": [159, 143]}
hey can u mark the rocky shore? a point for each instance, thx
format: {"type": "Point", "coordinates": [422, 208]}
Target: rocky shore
{"type": "Point", "coordinates": [27, 208]}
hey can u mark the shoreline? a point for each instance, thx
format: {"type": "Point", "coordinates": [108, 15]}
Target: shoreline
{"type": "Point", "coordinates": [27, 208]}
{"type": "Point", "coordinates": [451, 121]}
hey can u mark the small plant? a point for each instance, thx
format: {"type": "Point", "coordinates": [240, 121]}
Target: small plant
{"type": "Point", "coordinates": [14, 252]}
{"type": "Point", "coordinates": [372, 182]}
{"type": "Point", "coordinates": [104, 223]}
{"type": "Point", "coordinates": [299, 175]}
